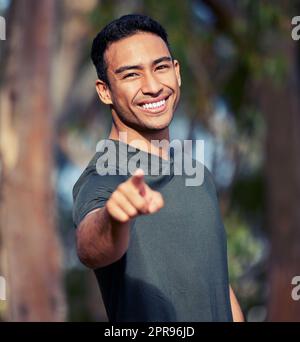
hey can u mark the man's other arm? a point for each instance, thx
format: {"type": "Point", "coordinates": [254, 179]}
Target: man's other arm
{"type": "Point", "coordinates": [235, 307]}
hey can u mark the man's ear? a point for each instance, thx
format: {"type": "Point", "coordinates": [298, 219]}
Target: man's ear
{"type": "Point", "coordinates": [103, 92]}
{"type": "Point", "coordinates": [177, 71]}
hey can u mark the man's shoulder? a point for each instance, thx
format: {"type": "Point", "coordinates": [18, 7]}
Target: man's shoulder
{"type": "Point", "coordinates": [88, 171]}
{"type": "Point", "coordinates": [96, 175]}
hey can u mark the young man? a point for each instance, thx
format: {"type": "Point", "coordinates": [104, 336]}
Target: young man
{"type": "Point", "coordinates": [157, 246]}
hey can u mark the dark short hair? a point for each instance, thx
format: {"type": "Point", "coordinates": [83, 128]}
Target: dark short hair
{"type": "Point", "coordinates": [118, 29]}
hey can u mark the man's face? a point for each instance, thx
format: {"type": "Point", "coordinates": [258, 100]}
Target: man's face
{"type": "Point", "coordinates": [144, 82]}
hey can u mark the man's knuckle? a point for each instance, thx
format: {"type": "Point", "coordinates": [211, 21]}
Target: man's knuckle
{"type": "Point", "coordinates": [109, 205]}
{"type": "Point", "coordinates": [133, 212]}
{"type": "Point", "coordinates": [141, 205]}
{"type": "Point", "coordinates": [122, 187]}
{"type": "Point", "coordinates": [115, 197]}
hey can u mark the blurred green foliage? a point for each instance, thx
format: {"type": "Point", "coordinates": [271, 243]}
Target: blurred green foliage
{"type": "Point", "coordinates": [246, 250]}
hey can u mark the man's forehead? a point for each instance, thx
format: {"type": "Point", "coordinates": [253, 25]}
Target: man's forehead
{"type": "Point", "coordinates": [141, 48]}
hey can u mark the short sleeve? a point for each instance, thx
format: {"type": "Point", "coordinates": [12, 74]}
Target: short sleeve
{"type": "Point", "coordinates": [91, 192]}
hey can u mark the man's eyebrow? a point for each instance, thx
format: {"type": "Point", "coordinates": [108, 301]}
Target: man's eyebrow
{"type": "Point", "coordinates": [162, 59]}
{"type": "Point", "coordinates": [127, 67]}
{"type": "Point", "coordinates": [140, 67]}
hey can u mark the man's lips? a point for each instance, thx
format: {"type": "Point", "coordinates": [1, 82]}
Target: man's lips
{"type": "Point", "coordinates": [158, 99]}
{"type": "Point", "coordinates": [155, 106]}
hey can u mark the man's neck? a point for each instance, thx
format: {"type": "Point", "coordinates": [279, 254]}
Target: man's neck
{"type": "Point", "coordinates": [144, 141]}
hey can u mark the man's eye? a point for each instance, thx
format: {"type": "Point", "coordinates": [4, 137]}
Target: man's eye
{"type": "Point", "coordinates": [163, 67]}
{"type": "Point", "coordinates": [130, 75]}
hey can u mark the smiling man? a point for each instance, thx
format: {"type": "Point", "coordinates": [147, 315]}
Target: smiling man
{"type": "Point", "coordinates": [157, 246]}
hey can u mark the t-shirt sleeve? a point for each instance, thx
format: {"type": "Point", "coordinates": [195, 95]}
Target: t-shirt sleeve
{"type": "Point", "coordinates": [91, 193]}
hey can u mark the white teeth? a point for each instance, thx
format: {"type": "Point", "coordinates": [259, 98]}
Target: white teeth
{"type": "Point", "coordinates": [154, 105]}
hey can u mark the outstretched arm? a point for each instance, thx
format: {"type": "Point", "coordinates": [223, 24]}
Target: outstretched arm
{"type": "Point", "coordinates": [103, 235]}
{"type": "Point", "coordinates": [235, 308]}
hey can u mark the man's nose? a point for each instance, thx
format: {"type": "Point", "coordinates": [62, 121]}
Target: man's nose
{"type": "Point", "coordinates": [151, 84]}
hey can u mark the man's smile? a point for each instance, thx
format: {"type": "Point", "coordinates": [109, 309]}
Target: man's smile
{"type": "Point", "coordinates": [155, 106]}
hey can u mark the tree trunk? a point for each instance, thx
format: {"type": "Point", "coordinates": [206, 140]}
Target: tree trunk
{"type": "Point", "coordinates": [282, 108]}
{"type": "Point", "coordinates": [32, 252]}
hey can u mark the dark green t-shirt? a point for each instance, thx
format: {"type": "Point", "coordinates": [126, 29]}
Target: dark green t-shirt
{"type": "Point", "coordinates": [175, 268]}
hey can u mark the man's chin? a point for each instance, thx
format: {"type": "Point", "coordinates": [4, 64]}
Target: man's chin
{"type": "Point", "coordinates": [160, 123]}
{"type": "Point", "coordinates": [155, 127]}
{"type": "Point", "coordinates": [153, 124]}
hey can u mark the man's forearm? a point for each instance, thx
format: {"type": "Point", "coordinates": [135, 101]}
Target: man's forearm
{"type": "Point", "coordinates": [101, 240]}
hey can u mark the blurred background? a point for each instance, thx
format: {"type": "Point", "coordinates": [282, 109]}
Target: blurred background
{"type": "Point", "coordinates": [240, 94]}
